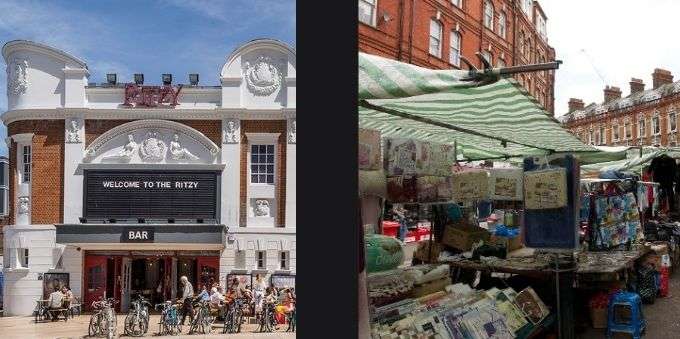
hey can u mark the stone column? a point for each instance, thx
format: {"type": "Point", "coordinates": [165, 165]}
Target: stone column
{"type": "Point", "coordinates": [291, 174]}
{"type": "Point", "coordinates": [74, 148]}
{"type": "Point", "coordinates": [231, 176]}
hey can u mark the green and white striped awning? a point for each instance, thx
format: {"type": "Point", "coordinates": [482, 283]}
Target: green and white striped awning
{"type": "Point", "coordinates": [496, 120]}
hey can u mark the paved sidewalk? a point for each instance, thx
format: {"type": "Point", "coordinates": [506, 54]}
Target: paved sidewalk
{"type": "Point", "coordinates": [24, 327]}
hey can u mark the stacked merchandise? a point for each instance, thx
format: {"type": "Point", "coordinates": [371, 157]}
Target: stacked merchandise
{"type": "Point", "coordinates": [462, 312]}
{"type": "Point", "coordinates": [611, 212]}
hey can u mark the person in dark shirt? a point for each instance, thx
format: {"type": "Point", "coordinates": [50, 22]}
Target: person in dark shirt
{"type": "Point", "coordinates": [664, 171]}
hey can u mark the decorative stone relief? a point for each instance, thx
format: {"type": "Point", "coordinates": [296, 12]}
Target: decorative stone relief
{"type": "Point", "coordinates": [17, 77]}
{"type": "Point", "coordinates": [231, 133]}
{"type": "Point", "coordinates": [263, 77]}
{"type": "Point", "coordinates": [292, 131]}
{"type": "Point", "coordinates": [152, 148]}
{"type": "Point", "coordinates": [125, 154]}
{"type": "Point", "coordinates": [261, 208]}
{"type": "Point", "coordinates": [73, 132]}
{"type": "Point", "coordinates": [177, 152]}
{"type": "Point", "coordinates": [23, 205]}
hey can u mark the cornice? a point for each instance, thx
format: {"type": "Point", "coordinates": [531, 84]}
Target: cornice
{"type": "Point", "coordinates": [17, 45]}
{"type": "Point", "coordinates": [148, 113]}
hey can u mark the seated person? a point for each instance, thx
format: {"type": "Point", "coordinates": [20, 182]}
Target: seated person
{"type": "Point", "coordinates": [204, 295]}
{"type": "Point", "coordinates": [68, 295]}
{"type": "Point", "coordinates": [216, 298]}
{"type": "Point", "coordinates": [56, 299]}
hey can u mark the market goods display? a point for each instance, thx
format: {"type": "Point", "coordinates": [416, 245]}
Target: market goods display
{"type": "Point", "coordinates": [369, 150]}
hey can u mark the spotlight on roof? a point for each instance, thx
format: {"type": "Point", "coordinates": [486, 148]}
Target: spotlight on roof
{"type": "Point", "coordinates": [139, 78]}
{"type": "Point", "coordinates": [193, 79]}
{"type": "Point", "coordinates": [167, 79]}
{"type": "Point", "coordinates": [111, 78]}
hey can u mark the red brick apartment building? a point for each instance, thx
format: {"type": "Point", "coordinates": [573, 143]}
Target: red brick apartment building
{"type": "Point", "coordinates": [436, 33]}
{"type": "Point", "coordinates": [643, 117]}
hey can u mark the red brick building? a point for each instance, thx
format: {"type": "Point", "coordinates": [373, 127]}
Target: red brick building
{"type": "Point", "coordinates": [643, 117]}
{"type": "Point", "coordinates": [435, 33]}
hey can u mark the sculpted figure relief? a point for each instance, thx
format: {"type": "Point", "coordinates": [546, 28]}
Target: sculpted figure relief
{"type": "Point", "coordinates": [292, 133]}
{"type": "Point", "coordinates": [72, 134]}
{"type": "Point", "coordinates": [23, 205]}
{"type": "Point", "coordinates": [231, 133]}
{"type": "Point", "coordinates": [17, 77]}
{"type": "Point", "coordinates": [177, 152]}
{"type": "Point", "coordinates": [261, 208]}
{"type": "Point", "coordinates": [126, 153]}
{"type": "Point", "coordinates": [263, 76]}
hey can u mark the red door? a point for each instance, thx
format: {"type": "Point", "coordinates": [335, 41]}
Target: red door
{"type": "Point", "coordinates": [208, 271]}
{"type": "Point", "coordinates": [94, 276]}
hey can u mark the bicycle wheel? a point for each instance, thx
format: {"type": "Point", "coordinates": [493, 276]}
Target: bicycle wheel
{"type": "Point", "coordinates": [93, 329]}
{"type": "Point", "coordinates": [238, 319]}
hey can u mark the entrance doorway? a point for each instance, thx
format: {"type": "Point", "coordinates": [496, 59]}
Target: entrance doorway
{"type": "Point", "coordinates": [153, 274]}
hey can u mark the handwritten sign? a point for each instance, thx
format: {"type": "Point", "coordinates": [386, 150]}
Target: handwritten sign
{"type": "Point", "coordinates": [545, 189]}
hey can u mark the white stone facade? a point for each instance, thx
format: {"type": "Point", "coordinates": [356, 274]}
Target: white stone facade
{"type": "Point", "coordinates": [257, 82]}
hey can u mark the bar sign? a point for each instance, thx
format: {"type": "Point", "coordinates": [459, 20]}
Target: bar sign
{"type": "Point", "coordinates": [137, 235]}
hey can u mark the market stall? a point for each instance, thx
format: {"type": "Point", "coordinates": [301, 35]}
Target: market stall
{"type": "Point", "coordinates": [415, 133]}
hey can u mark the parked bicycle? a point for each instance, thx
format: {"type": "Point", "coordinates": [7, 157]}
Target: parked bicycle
{"type": "Point", "coordinates": [267, 320]}
{"type": "Point", "coordinates": [137, 319]}
{"type": "Point", "coordinates": [170, 323]}
{"type": "Point", "coordinates": [234, 317]}
{"type": "Point", "coordinates": [103, 321]}
{"type": "Point", "coordinates": [202, 321]}
{"type": "Point", "coordinates": [291, 318]}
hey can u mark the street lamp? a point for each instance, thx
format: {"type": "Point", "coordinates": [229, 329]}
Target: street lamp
{"type": "Point", "coordinates": [111, 78]}
{"type": "Point", "coordinates": [139, 78]}
{"type": "Point", "coordinates": [167, 79]}
{"type": "Point", "coordinates": [193, 79]}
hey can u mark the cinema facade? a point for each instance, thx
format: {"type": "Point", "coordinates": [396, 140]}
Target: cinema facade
{"type": "Point", "coordinates": [118, 189]}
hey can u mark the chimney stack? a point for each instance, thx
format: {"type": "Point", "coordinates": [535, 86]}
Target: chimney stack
{"type": "Point", "coordinates": [636, 85]}
{"type": "Point", "coordinates": [661, 77]}
{"type": "Point", "coordinates": [575, 105]}
{"type": "Point", "coordinates": [611, 93]}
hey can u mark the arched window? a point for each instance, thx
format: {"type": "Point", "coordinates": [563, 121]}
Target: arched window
{"type": "Point", "coordinates": [454, 52]}
{"type": "Point", "coordinates": [500, 63]}
{"type": "Point", "coordinates": [488, 14]}
{"type": "Point", "coordinates": [521, 42]}
{"type": "Point", "coordinates": [435, 38]}
{"type": "Point", "coordinates": [528, 50]}
{"type": "Point", "coordinates": [501, 25]}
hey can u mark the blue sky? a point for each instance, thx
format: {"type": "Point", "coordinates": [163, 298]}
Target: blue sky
{"type": "Point", "coordinates": [145, 36]}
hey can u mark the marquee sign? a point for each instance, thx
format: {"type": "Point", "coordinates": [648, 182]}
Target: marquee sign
{"type": "Point", "coordinates": [151, 96]}
{"type": "Point", "coordinates": [135, 234]}
{"type": "Point", "coordinates": [126, 194]}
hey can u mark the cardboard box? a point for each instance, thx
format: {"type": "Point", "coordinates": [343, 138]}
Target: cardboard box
{"type": "Point", "coordinates": [463, 236]}
{"type": "Point", "coordinates": [511, 244]}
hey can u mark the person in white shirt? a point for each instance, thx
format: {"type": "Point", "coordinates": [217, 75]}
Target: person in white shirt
{"type": "Point", "coordinates": [187, 295]}
{"type": "Point", "coordinates": [56, 299]}
{"type": "Point", "coordinates": [215, 298]}
{"type": "Point", "coordinates": [259, 288]}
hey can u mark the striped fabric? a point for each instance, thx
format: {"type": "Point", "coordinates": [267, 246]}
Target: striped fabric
{"type": "Point", "coordinates": [493, 121]}
{"type": "Point", "coordinates": [381, 78]}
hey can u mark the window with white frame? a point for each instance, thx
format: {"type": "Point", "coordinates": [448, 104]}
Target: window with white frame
{"type": "Point", "coordinates": [284, 260]}
{"type": "Point", "coordinates": [656, 128]}
{"type": "Point", "coordinates": [262, 164]}
{"type": "Point", "coordinates": [591, 138]}
{"type": "Point", "coordinates": [435, 38]}
{"type": "Point", "coordinates": [500, 63]}
{"type": "Point", "coordinates": [4, 188]}
{"type": "Point", "coordinates": [597, 137]}
{"type": "Point", "coordinates": [602, 135]}
{"type": "Point", "coordinates": [488, 57]}
{"type": "Point", "coordinates": [526, 6]}
{"type": "Point", "coordinates": [454, 52]}
{"type": "Point", "coordinates": [367, 9]}
{"type": "Point", "coordinates": [642, 130]}
{"type": "Point", "coordinates": [672, 121]}
{"type": "Point", "coordinates": [488, 14]}
{"type": "Point", "coordinates": [261, 258]}
{"type": "Point", "coordinates": [458, 3]}
{"type": "Point", "coordinates": [615, 132]}
{"type": "Point", "coordinates": [22, 254]}
{"type": "Point", "coordinates": [502, 25]}
{"type": "Point", "coordinates": [240, 259]}
{"type": "Point", "coordinates": [628, 130]}
{"type": "Point", "coordinates": [26, 171]}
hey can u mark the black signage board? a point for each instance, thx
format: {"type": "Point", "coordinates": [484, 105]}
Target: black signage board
{"type": "Point", "coordinates": [137, 234]}
{"type": "Point", "coordinates": [123, 194]}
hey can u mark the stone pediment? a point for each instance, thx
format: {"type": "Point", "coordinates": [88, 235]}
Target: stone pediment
{"type": "Point", "coordinates": [152, 141]}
